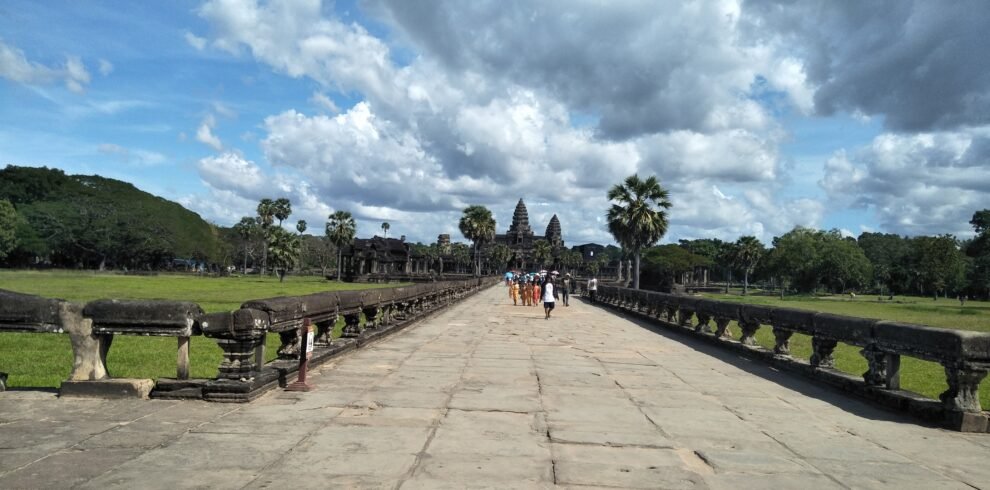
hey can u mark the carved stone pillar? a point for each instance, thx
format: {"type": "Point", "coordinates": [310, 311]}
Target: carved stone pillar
{"type": "Point", "coordinates": [239, 334]}
{"type": "Point", "coordinates": [324, 331]}
{"type": "Point", "coordinates": [876, 375]}
{"type": "Point", "coordinates": [290, 344]}
{"type": "Point", "coordinates": [371, 316]}
{"type": "Point", "coordinates": [722, 327]}
{"type": "Point", "coordinates": [684, 316]}
{"type": "Point", "coordinates": [782, 341]}
{"type": "Point", "coordinates": [963, 393]}
{"type": "Point", "coordinates": [703, 319]}
{"type": "Point", "coordinates": [821, 356]}
{"type": "Point", "coordinates": [352, 325]}
{"type": "Point", "coordinates": [748, 332]}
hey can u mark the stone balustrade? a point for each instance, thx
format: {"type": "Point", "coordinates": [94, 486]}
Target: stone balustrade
{"type": "Point", "coordinates": [241, 334]}
{"type": "Point", "coordinates": [964, 355]}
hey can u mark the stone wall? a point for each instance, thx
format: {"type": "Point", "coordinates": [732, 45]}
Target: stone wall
{"type": "Point", "coordinates": [964, 355]}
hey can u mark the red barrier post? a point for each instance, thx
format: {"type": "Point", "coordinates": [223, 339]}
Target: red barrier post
{"type": "Point", "coordinates": [305, 352]}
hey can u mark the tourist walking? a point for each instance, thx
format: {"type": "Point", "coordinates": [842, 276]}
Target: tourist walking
{"type": "Point", "coordinates": [514, 292]}
{"type": "Point", "coordinates": [536, 292]}
{"type": "Point", "coordinates": [548, 298]}
{"type": "Point", "coordinates": [592, 288]}
{"type": "Point", "coordinates": [564, 286]}
{"type": "Point", "coordinates": [527, 293]}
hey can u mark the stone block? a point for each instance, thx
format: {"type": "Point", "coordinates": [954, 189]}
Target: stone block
{"type": "Point", "coordinates": [108, 388]}
{"type": "Point", "coordinates": [142, 317]}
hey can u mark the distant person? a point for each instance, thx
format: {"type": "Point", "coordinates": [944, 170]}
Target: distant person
{"type": "Point", "coordinates": [548, 299]}
{"type": "Point", "coordinates": [592, 288]}
{"type": "Point", "coordinates": [536, 291]}
{"type": "Point", "coordinates": [514, 292]}
{"type": "Point", "coordinates": [565, 286]}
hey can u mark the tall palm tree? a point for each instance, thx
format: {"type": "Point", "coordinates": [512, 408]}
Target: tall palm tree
{"type": "Point", "coordinates": [341, 229]}
{"type": "Point", "coordinates": [571, 259]}
{"type": "Point", "coordinates": [266, 215]}
{"type": "Point", "coordinates": [301, 226]}
{"type": "Point", "coordinates": [283, 247]}
{"type": "Point", "coordinates": [749, 251]}
{"type": "Point", "coordinates": [282, 209]}
{"type": "Point", "coordinates": [541, 252]}
{"type": "Point", "coordinates": [247, 228]}
{"type": "Point", "coordinates": [477, 225]}
{"type": "Point", "coordinates": [633, 220]}
{"type": "Point", "coordinates": [385, 228]}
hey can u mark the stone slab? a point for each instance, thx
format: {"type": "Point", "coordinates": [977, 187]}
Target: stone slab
{"type": "Point", "coordinates": [109, 388]}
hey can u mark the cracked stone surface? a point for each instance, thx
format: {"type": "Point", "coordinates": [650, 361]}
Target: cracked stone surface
{"type": "Point", "coordinates": [488, 395]}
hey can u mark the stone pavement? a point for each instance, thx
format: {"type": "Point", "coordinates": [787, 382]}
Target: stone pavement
{"type": "Point", "coordinates": [487, 394]}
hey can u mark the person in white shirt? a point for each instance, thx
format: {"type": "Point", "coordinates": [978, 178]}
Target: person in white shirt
{"type": "Point", "coordinates": [548, 299]}
{"type": "Point", "coordinates": [592, 288]}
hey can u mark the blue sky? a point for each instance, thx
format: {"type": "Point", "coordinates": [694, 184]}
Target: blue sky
{"type": "Point", "coordinates": [757, 117]}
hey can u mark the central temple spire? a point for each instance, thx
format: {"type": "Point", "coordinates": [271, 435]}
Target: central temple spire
{"type": "Point", "coordinates": [520, 219]}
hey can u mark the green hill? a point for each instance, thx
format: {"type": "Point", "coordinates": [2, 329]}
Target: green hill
{"type": "Point", "coordinates": [91, 221]}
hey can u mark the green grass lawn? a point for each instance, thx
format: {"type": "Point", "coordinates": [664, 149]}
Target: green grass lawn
{"type": "Point", "coordinates": [45, 360]}
{"type": "Point", "coordinates": [924, 377]}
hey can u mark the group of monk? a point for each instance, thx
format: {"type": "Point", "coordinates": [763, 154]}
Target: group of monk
{"type": "Point", "coordinates": [524, 290]}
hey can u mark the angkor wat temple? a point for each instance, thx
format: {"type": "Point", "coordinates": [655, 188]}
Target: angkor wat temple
{"type": "Point", "coordinates": [520, 237]}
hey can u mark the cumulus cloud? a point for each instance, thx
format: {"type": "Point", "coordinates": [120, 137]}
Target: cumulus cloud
{"type": "Point", "coordinates": [195, 41]}
{"type": "Point", "coordinates": [204, 133]}
{"type": "Point", "coordinates": [15, 66]}
{"type": "Point", "coordinates": [920, 64]}
{"type": "Point", "coordinates": [916, 183]}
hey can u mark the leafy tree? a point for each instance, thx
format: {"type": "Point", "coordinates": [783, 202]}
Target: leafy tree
{"type": "Point", "coordinates": [541, 252]}
{"type": "Point", "coordinates": [283, 249]}
{"type": "Point", "coordinates": [978, 249]}
{"type": "Point", "coordinates": [940, 263]}
{"type": "Point", "coordinates": [281, 209]}
{"type": "Point", "coordinates": [842, 264]}
{"type": "Point", "coordinates": [571, 260]}
{"type": "Point", "coordinates": [461, 254]}
{"type": "Point", "coordinates": [8, 228]}
{"type": "Point", "coordinates": [892, 260]}
{"type": "Point", "coordinates": [633, 220]}
{"type": "Point", "coordinates": [247, 228]}
{"type": "Point", "coordinates": [794, 257]}
{"type": "Point", "coordinates": [725, 257]}
{"type": "Point", "coordinates": [499, 255]}
{"type": "Point", "coordinates": [301, 226]}
{"type": "Point", "coordinates": [340, 230]}
{"type": "Point", "coordinates": [662, 265]}
{"type": "Point", "coordinates": [749, 251]}
{"type": "Point", "coordinates": [477, 225]}
{"type": "Point", "coordinates": [385, 228]}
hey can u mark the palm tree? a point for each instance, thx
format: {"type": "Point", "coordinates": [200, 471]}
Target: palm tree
{"type": "Point", "coordinates": [266, 214]}
{"type": "Point", "coordinates": [541, 252]}
{"type": "Point", "coordinates": [749, 251]}
{"type": "Point", "coordinates": [282, 209]}
{"type": "Point", "coordinates": [385, 228]}
{"type": "Point", "coordinates": [284, 249]}
{"type": "Point", "coordinates": [301, 226]}
{"type": "Point", "coordinates": [571, 259]}
{"type": "Point", "coordinates": [246, 228]}
{"type": "Point", "coordinates": [477, 225]}
{"type": "Point", "coordinates": [340, 231]}
{"type": "Point", "coordinates": [633, 220]}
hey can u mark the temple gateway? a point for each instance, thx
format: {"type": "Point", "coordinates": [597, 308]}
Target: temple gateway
{"type": "Point", "coordinates": [520, 238]}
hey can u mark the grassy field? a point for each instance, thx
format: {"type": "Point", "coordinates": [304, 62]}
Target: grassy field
{"type": "Point", "coordinates": [926, 378]}
{"type": "Point", "coordinates": [45, 360]}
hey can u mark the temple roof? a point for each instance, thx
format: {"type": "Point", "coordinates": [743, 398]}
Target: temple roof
{"type": "Point", "coordinates": [553, 229]}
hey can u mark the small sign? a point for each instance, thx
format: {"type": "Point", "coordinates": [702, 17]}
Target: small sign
{"type": "Point", "coordinates": [310, 342]}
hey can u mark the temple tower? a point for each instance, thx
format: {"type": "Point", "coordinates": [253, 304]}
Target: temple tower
{"type": "Point", "coordinates": [553, 233]}
{"type": "Point", "coordinates": [519, 231]}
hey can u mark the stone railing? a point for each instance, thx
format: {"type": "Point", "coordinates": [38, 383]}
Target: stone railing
{"type": "Point", "coordinates": [964, 355]}
{"type": "Point", "coordinates": [241, 334]}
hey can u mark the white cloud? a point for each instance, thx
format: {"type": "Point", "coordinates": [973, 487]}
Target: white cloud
{"type": "Point", "coordinates": [195, 41]}
{"type": "Point", "coordinates": [15, 66]}
{"type": "Point", "coordinates": [204, 133]}
{"type": "Point", "coordinates": [127, 155]}
{"type": "Point", "coordinates": [924, 183]}
{"type": "Point", "coordinates": [322, 101]}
